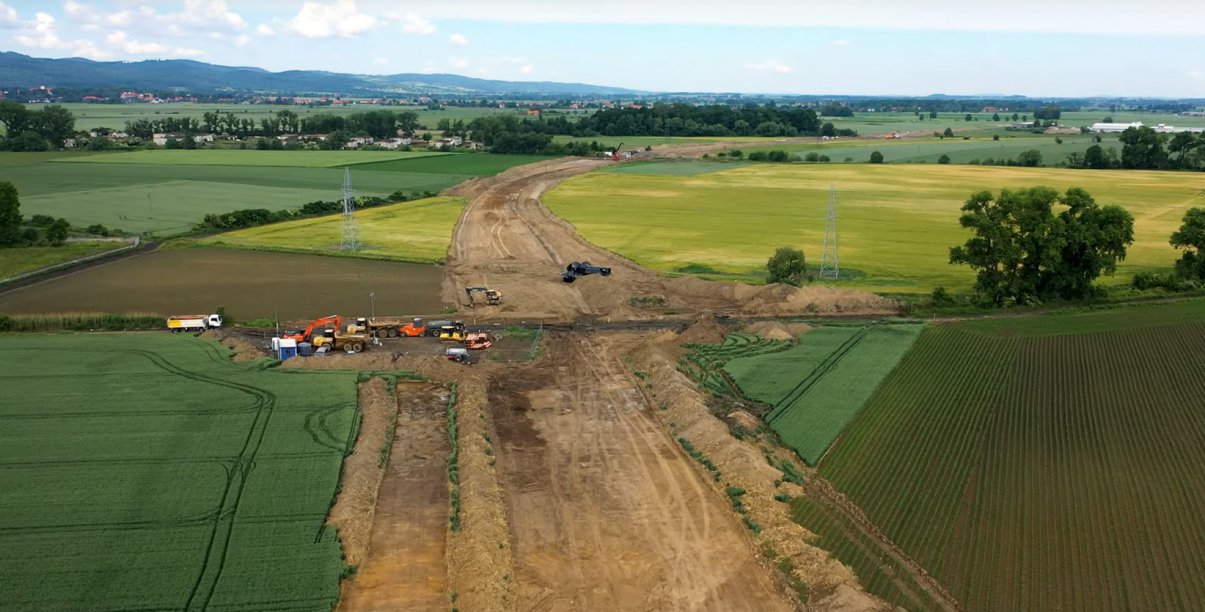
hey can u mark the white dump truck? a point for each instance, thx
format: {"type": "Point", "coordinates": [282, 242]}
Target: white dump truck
{"type": "Point", "coordinates": [194, 323]}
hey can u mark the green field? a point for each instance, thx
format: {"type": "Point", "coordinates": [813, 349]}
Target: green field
{"type": "Point", "coordinates": [149, 472]}
{"type": "Point", "coordinates": [927, 149]}
{"type": "Point", "coordinates": [28, 259]}
{"type": "Point", "coordinates": [896, 223]}
{"type": "Point", "coordinates": [816, 387]}
{"type": "Point", "coordinates": [167, 198]}
{"type": "Point", "coordinates": [418, 231]}
{"type": "Point", "coordinates": [236, 157]}
{"type": "Point", "coordinates": [1043, 463]}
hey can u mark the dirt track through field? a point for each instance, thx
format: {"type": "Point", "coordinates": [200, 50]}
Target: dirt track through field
{"type": "Point", "coordinates": [606, 511]}
{"type": "Point", "coordinates": [405, 568]}
{"type": "Point", "coordinates": [507, 239]}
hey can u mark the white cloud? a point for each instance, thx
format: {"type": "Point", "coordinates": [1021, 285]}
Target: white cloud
{"type": "Point", "coordinates": [41, 34]}
{"type": "Point", "coordinates": [429, 70]}
{"type": "Point", "coordinates": [770, 66]}
{"type": "Point", "coordinates": [381, 61]}
{"type": "Point", "coordinates": [208, 12]}
{"type": "Point", "coordinates": [184, 52]}
{"type": "Point", "coordinates": [242, 41]}
{"type": "Point", "coordinates": [1106, 17]}
{"type": "Point", "coordinates": [458, 63]}
{"type": "Point", "coordinates": [415, 24]}
{"type": "Point", "coordinates": [8, 15]}
{"type": "Point", "coordinates": [122, 42]}
{"type": "Point", "coordinates": [340, 18]}
{"type": "Point", "coordinates": [264, 29]}
{"type": "Point", "coordinates": [840, 43]}
{"type": "Point", "coordinates": [527, 69]}
{"type": "Point", "coordinates": [460, 40]}
{"type": "Point", "coordinates": [1196, 74]}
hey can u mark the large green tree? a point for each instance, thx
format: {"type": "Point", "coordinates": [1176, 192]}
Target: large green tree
{"type": "Point", "coordinates": [14, 116]}
{"type": "Point", "coordinates": [1025, 251]}
{"type": "Point", "coordinates": [787, 265]}
{"type": "Point", "coordinates": [1191, 238]}
{"type": "Point", "coordinates": [1142, 149]}
{"type": "Point", "coordinates": [55, 124]}
{"type": "Point", "coordinates": [10, 215]}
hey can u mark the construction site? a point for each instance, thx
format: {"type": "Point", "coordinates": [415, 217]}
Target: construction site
{"type": "Point", "coordinates": [575, 487]}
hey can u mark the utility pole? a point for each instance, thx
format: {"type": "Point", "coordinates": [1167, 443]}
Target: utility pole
{"type": "Point", "coordinates": [351, 232]}
{"type": "Point", "coordinates": [830, 266]}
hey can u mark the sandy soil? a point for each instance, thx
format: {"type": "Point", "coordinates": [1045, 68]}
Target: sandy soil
{"type": "Point", "coordinates": [244, 349]}
{"type": "Point", "coordinates": [830, 585]}
{"type": "Point", "coordinates": [405, 567]}
{"type": "Point", "coordinates": [606, 511]}
{"type": "Point", "coordinates": [508, 240]}
{"type": "Point", "coordinates": [352, 513]}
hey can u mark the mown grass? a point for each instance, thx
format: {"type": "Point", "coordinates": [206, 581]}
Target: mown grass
{"type": "Point", "coordinates": [237, 157]}
{"type": "Point", "coordinates": [418, 231]}
{"type": "Point", "coordinates": [896, 223]}
{"type": "Point", "coordinates": [22, 260]}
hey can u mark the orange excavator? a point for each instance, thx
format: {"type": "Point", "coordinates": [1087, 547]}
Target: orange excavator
{"type": "Point", "coordinates": [331, 321]}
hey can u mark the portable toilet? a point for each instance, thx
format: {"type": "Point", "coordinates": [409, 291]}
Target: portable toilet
{"type": "Point", "coordinates": [288, 349]}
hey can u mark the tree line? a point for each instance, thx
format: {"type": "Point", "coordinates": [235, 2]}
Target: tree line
{"type": "Point", "coordinates": [16, 231]}
{"type": "Point", "coordinates": [252, 217]}
{"type": "Point", "coordinates": [35, 130]}
{"type": "Point", "coordinates": [377, 124]}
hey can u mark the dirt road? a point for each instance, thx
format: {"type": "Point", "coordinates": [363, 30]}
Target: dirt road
{"type": "Point", "coordinates": [607, 512]}
{"type": "Point", "coordinates": [507, 239]}
{"type": "Point", "coordinates": [405, 567]}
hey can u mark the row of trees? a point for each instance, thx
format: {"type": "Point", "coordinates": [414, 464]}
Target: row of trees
{"type": "Point", "coordinates": [36, 130]}
{"type": "Point", "coordinates": [377, 124]}
{"type": "Point", "coordinates": [252, 217]}
{"type": "Point", "coordinates": [1145, 149]}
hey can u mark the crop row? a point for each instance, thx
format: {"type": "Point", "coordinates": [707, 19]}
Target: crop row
{"type": "Point", "coordinates": [1041, 471]}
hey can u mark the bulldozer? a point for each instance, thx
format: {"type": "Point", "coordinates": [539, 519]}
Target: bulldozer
{"type": "Point", "coordinates": [493, 297]}
{"type": "Point", "coordinates": [350, 343]}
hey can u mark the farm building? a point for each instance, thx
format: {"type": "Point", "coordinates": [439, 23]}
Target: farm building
{"type": "Point", "coordinates": [1109, 128]}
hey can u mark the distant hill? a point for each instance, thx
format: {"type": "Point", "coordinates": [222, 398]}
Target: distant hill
{"type": "Point", "coordinates": [17, 70]}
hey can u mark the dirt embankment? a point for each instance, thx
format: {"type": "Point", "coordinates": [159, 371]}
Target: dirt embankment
{"type": "Point", "coordinates": [480, 567]}
{"type": "Point", "coordinates": [507, 239]}
{"type": "Point", "coordinates": [607, 512]}
{"type": "Point", "coordinates": [830, 585]}
{"type": "Point", "coordinates": [353, 511]}
{"type": "Point", "coordinates": [405, 568]}
{"type": "Point", "coordinates": [244, 348]}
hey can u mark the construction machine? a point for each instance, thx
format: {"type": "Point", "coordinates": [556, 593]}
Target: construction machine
{"type": "Point", "coordinates": [349, 343]}
{"type": "Point", "coordinates": [459, 355]}
{"type": "Point", "coordinates": [388, 328]}
{"type": "Point", "coordinates": [582, 268]}
{"type": "Point", "coordinates": [433, 327]}
{"type": "Point", "coordinates": [334, 321]}
{"type": "Point", "coordinates": [616, 153]}
{"type": "Point", "coordinates": [493, 297]}
{"type": "Point", "coordinates": [452, 333]}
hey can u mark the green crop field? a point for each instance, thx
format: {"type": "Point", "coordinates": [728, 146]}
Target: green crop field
{"type": "Point", "coordinates": [895, 224]}
{"type": "Point", "coordinates": [1042, 463]}
{"type": "Point", "coordinates": [418, 231]}
{"type": "Point", "coordinates": [22, 260]}
{"type": "Point", "coordinates": [816, 387]}
{"type": "Point", "coordinates": [927, 149]}
{"type": "Point", "coordinates": [236, 157]}
{"type": "Point", "coordinates": [149, 472]}
{"type": "Point", "coordinates": [167, 198]}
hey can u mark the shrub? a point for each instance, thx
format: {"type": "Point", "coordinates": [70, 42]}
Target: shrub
{"type": "Point", "coordinates": [876, 157]}
{"type": "Point", "coordinates": [944, 159]}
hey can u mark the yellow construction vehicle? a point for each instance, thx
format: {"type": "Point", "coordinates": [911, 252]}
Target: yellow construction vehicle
{"type": "Point", "coordinates": [493, 297]}
{"type": "Point", "coordinates": [350, 343]}
{"type": "Point", "coordinates": [452, 333]}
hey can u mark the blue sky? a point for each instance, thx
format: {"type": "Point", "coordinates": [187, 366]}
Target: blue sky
{"type": "Point", "coordinates": [889, 47]}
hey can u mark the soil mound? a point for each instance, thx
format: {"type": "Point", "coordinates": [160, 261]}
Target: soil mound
{"type": "Point", "coordinates": [704, 331]}
{"type": "Point", "coordinates": [244, 349]}
{"type": "Point", "coordinates": [773, 330]}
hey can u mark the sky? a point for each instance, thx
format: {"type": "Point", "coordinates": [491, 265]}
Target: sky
{"type": "Point", "coordinates": [1042, 48]}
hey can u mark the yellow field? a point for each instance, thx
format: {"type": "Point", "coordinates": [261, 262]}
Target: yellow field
{"type": "Point", "coordinates": [896, 223]}
{"type": "Point", "coordinates": [418, 231]}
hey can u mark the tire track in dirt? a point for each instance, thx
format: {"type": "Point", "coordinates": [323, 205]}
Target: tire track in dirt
{"type": "Point", "coordinates": [606, 512]}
